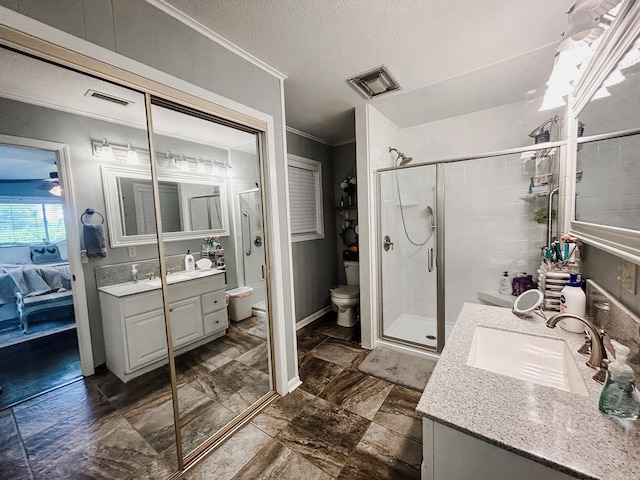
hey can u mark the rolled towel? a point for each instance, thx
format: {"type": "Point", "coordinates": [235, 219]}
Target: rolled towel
{"type": "Point", "coordinates": [94, 241]}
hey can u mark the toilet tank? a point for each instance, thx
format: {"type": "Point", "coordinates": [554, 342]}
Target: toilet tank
{"type": "Point", "coordinates": [352, 269]}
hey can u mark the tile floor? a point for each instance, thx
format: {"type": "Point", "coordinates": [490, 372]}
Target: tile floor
{"type": "Point", "coordinates": [340, 423]}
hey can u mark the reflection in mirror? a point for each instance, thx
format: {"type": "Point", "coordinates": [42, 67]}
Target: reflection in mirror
{"type": "Point", "coordinates": [193, 207]}
{"type": "Point", "coordinates": [135, 415]}
{"type": "Point", "coordinates": [222, 352]}
{"type": "Point", "coordinates": [608, 166]}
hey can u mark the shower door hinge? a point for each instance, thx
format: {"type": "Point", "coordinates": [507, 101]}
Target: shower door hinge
{"type": "Point", "coordinates": [264, 272]}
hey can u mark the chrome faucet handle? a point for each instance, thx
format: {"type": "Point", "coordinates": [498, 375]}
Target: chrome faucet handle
{"type": "Point", "coordinates": [586, 348]}
{"type": "Point", "coordinates": [601, 375]}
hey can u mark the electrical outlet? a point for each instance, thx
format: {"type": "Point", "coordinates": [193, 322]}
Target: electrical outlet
{"type": "Point", "coordinates": [628, 277]}
{"type": "Point", "coordinates": [132, 252]}
{"type": "Point", "coordinates": [83, 256]}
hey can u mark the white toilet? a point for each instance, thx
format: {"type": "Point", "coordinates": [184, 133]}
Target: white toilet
{"type": "Point", "coordinates": [346, 297]}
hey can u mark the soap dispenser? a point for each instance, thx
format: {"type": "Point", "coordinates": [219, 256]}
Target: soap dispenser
{"type": "Point", "coordinates": [619, 395]}
{"type": "Point", "coordinates": [505, 284]}
{"type": "Point", "coordinates": [189, 263]}
{"type": "Point", "coordinates": [134, 273]}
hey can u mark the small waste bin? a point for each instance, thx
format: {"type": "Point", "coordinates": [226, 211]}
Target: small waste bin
{"type": "Point", "coordinates": [240, 303]}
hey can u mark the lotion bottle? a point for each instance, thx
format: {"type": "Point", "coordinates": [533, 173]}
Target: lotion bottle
{"type": "Point", "coordinates": [189, 263]}
{"type": "Point", "coordinates": [573, 300]}
{"type": "Point", "coordinates": [505, 284]}
{"type": "Point", "coordinates": [134, 273]}
{"type": "Point", "coordinates": [619, 396]}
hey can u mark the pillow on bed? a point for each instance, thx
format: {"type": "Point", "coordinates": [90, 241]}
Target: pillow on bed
{"type": "Point", "coordinates": [45, 253]}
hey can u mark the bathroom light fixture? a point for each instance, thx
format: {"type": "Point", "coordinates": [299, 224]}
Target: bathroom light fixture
{"type": "Point", "coordinates": [374, 82]}
{"type": "Point", "coordinates": [540, 134]}
{"type": "Point", "coordinates": [106, 153]}
{"type": "Point", "coordinates": [184, 164]}
{"type": "Point", "coordinates": [166, 160]}
{"type": "Point", "coordinates": [200, 167]}
{"type": "Point", "coordinates": [132, 155]}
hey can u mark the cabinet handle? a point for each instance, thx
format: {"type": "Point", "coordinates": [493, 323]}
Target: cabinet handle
{"type": "Point", "coordinates": [217, 321]}
{"type": "Point", "coordinates": [171, 309]}
{"type": "Point", "coordinates": [215, 301]}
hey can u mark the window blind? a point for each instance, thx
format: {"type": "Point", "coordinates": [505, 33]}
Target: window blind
{"type": "Point", "coordinates": [303, 200]}
{"type": "Point", "coordinates": [24, 223]}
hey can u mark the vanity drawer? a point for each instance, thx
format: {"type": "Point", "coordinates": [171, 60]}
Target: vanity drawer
{"type": "Point", "coordinates": [214, 322]}
{"type": "Point", "coordinates": [213, 301]}
{"type": "Point", "coordinates": [142, 302]}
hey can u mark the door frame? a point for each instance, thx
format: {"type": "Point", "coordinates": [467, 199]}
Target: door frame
{"type": "Point", "coordinates": [80, 308]}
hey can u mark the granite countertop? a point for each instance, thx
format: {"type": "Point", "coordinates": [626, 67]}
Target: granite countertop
{"type": "Point", "coordinates": [562, 430]}
{"type": "Point", "coordinates": [130, 288]}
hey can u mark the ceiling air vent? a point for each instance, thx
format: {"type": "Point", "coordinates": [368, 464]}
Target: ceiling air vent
{"type": "Point", "coordinates": [108, 98]}
{"type": "Point", "coordinates": [375, 82]}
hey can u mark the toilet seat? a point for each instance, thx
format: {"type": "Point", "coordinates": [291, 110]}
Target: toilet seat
{"type": "Point", "coordinates": [345, 291]}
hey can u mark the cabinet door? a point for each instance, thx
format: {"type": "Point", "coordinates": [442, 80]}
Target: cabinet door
{"type": "Point", "coordinates": [186, 321]}
{"type": "Point", "coordinates": [215, 322]}
{"type": "Point", "coordinates": [146, 338]}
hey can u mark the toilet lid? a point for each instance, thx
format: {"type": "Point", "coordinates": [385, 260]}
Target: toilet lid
{"type": "Point", "coordinates": [346, 291]}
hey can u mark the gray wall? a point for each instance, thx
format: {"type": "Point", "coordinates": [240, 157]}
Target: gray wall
{"type": "Point", "coordinates": [314, 267]}
{"type": "Point", "coordinates": [344, 163]}
{"type": "Point", "coordinates": [135, 29]}
{"type": "Point", "coordinates": [605, 269]}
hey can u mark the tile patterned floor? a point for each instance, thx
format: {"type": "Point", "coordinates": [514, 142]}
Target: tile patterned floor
{"type": "Point", "coordinates": [340, 423]}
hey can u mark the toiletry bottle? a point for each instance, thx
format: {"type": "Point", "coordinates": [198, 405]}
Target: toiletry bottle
{"type": "Point", "coordinates": [573, 300]}
{"type": "Point", "coordinates": [505, 284]}
{"type": "Point", "coordinates": [619, 396]}
{"type": "Point", "coordinates": [134, 273]}
{"type": "Point", "coordinates": [189, 263]}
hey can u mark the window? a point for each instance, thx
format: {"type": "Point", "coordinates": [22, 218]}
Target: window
{"type": "Point", "coordinates": [305, 199]}
{"type": "Point", "coordinates": [25, 223]}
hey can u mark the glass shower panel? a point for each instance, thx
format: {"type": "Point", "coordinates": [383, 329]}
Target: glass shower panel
{"type": "Point", "coordinates": [252, 245]}
{"type": "Point", "coordinates": [493, 224]}
{"type": "Point", "coordinates": [222, 355]}
{"type": "Point", "coordinates": [407, 236]}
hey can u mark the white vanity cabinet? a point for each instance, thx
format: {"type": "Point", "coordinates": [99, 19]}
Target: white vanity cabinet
{"type": "Point", "coordinates": [133, 321]}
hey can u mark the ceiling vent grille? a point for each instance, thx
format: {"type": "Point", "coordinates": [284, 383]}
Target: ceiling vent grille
{"type": "Point", "coordinates": [108, 98]}
{"type": "Point", "coordinates": [375, 82]}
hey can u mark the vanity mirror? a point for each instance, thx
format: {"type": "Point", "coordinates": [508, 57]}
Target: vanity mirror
{"type": "Point", "coordinates": [191, 206]}
{"type": "Point", "coordinates": [606, 205]}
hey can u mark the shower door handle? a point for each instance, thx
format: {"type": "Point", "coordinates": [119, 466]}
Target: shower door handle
{"type": "Point", "coordinates": [246, 215]}
{"type": "Point", "coordinates": [388, 244]}
{"type": "Point", "coordinates": [430, 256]}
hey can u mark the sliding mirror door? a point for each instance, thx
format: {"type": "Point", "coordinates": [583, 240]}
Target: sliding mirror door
{"type": "Point", "coordinates": [67, 290]}
{"type": "Point", "coordinates": [222, 353]}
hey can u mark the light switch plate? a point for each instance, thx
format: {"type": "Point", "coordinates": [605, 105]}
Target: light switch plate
{"type": "Point", "coordinates": [83, 256]}
{"type": "Point", "coordinates": [132, 252]}
{"type": "Point", "coordinates": [628, 277]}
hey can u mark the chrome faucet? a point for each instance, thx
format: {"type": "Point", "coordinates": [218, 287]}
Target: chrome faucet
{"type": "Point", "coordinates": [598, 358]}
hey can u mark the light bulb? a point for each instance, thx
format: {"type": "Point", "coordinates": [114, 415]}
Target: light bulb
{"type": "Point", "coordinates": [132, 155]}
{"type": "Point", "coordinates": [184, 164]}
{"type": "Point", "coordinates": [106, 153]}
{"type": "Point", "coordinates": [200, 168]}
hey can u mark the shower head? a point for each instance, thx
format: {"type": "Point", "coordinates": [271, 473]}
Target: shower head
{"type": "Point", "coordinates": [401, 156]}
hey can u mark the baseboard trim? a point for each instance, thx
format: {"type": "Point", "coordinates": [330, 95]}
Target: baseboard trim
{"type": "Point", "coordinates": [294, 383]}
{"type": "Point", "coordinates": [313, 317]}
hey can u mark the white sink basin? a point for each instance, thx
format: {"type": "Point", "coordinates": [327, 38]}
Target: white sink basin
{"type": "Point", "coordinates": [541, 360]}
{"type": "Point", "coordinates": [173, 278]}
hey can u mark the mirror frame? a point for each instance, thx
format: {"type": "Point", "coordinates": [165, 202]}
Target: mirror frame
{"type": "Point", "coordinates": [118, 238]}
{"type": "Point", "coordinates": [622, 242]}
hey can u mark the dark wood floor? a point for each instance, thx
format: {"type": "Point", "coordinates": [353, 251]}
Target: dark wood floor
{"type": "Point", "coordinates": [340, 423]}
{"type": "Point", "coordinates": [37, 365]}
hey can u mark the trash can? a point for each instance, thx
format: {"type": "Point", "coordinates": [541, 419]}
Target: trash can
{"type": "Point", "coordinates": [240, 303]}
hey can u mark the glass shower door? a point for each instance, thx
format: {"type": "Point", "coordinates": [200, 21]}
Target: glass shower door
{"type": "Point", "coordinates": [407, 238]}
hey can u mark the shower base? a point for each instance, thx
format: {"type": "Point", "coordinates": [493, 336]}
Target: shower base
{"type": "Point", "coordinates": [413, 328]}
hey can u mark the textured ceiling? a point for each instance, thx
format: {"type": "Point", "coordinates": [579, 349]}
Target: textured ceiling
{"type": "Point", "coordinates": [318, 44]}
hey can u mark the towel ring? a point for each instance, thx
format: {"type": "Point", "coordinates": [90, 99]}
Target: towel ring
{"type": "Point", "coordinates": [91, 211]}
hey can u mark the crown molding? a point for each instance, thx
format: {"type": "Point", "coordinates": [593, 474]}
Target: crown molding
{"type": "Point", "coordinates": [308, 135]}
{"type": "Point", "coordinates": [210, 34]}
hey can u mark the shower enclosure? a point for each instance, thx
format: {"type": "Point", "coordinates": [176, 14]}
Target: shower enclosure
{"type": "Point", "coordinates": [409, 274]}
{"type": "Point", "coordinates": [252, 246]}
{"type": "Point", "coordinates": [481, 210]}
